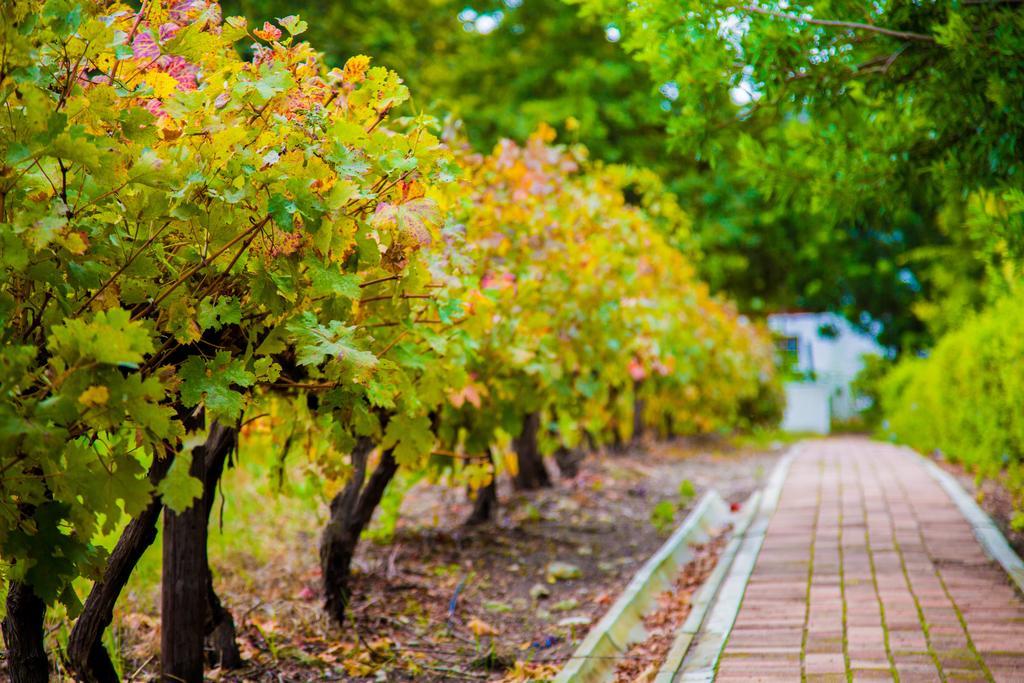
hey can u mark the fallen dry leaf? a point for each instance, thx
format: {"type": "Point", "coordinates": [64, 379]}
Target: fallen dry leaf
{"type": "Point", "coordinates": [481, 628]}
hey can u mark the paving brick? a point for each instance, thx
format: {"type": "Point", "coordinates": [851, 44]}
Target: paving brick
{"type": "Point", "coordinates": [886, 549]}
{"type": "Point", "coordinates": [827, 677]}
{"type": "Point", "coordinates": [873, 675]}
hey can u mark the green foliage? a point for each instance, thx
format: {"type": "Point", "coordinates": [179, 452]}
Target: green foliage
{"type": "Point", "coordinates": [640, 324]}
{"type": "Point", "coordinates": [190, 236]}
{"type": "Point", "coordinates": [866, 134]}
{"type": "Point", "coordinates": [687, 491]}
{"type": "Point", "coordinates": [410, 436]}
{"type": "Point", "coordinates": [868, 385]}
{"type": "Point", "coordinates": [844, 185]}
{"type": "Point", "coordinates": [964, 399]}
{"type": "Point", "coordinates": [176, 222]}
{"type": "Point", "coordinates": [500, 68]}
{"type": "Point", "coordinates": [663, 515]}
{"type": "Point", "coordinates": [177, 488]}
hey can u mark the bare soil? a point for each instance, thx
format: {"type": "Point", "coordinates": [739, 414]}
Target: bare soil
{"type": "Point", "coordinates": [442, 601]}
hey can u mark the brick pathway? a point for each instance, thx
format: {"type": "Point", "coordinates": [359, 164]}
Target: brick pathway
{"type": "Point", "coordinates": [870, 572]}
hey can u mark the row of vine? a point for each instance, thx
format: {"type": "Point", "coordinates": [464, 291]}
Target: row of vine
{"type": "Point", "coordinates": [191, 241]}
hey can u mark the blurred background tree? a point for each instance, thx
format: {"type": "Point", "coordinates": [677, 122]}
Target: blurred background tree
{"type": "Point", "coordinates": [863, 161]}
{"type": "Point", "coordinates": [894, 123]}
{"type": "Point", "coordinates": [502, 68]}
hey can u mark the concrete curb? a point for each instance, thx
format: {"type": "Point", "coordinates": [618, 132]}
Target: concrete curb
{"type": "Point", "coordinates": [622, 625]}
{"type": "Point", "coordinates": [707, 593]}
{"type": "Point", "coordinates": [699, 661]}
{"type": "Point", "coordinates": [985, 530]}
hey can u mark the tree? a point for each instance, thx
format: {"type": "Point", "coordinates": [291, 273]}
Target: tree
{"type": "Point", "coordinates": [504, 67]}
{"type": "Point", "coordinates": [191, 238]}
{"type": "Point", "coordinates": [180, 242]}
{"type": "Point", "coordinates": [501, 68]}
{"type": "Point", "coordinates": [883, 121]}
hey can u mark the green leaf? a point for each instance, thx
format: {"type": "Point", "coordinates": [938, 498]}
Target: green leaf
{"type": "Point", "coordinates": [266, 370]}
{"type": "Point", "coordinates": [274, 79]}
{"type": "Point", "coordinates": [327, 279]}
{"type": "Point", "coordinates": [110, 337]}
{"type": "Point", "coordinates": [180, 489]}
{"type": "Point", "coordinates": [50, 555]}
{"type": "Point", "coordinates": [317, 343]}
{"type": "Point", "coordinates": [192, 42]}
{"type": "Point", "coordinates": [215, 315]}
{"type": "Point", "coordinates": [411, 438]}
{"type": "Point", "coordinates": [211, 383]}
{"type": "Point", "coordinates": [293, 24]}
{"type": "Point", "coordinates": [282, 209]}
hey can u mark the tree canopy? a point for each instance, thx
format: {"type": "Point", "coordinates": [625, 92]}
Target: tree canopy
{"type": "Point", "coordinates": [203, 225]}
{"type": "Point", "coordinates": [827, 161]}
{"type": "Point", "coordinates": [894, 125]}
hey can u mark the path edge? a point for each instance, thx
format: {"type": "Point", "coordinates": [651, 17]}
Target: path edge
{"type": "Point", "coordinates": [708, 592]}
{"type": "Point", "coordinates": [595, 656]}
{"type": "Point", "coordinates": [699, 661]}
{"type": "Point", "coordinates": [992, 540]}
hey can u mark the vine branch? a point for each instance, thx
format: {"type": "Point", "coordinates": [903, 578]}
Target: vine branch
{"type": "Point", "coordinates": [858, 26]}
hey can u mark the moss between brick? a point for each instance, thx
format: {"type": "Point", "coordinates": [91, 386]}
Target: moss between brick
{"type": "Point", "coordinates": [974, 656]}
{"type": "Point", "coordinates": [810, 576]}
{"type": "Point", "coordinates": [874, 579]}
{"type": "Point", "coordinates": [842, 583]}
{"type": "Point", "coordinates": [826, 678]}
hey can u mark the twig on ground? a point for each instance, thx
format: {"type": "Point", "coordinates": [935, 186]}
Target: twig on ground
{"type": "Point", "coordinates": [455, 672]}
{"type": "Point", "coordinates": [141, 667]}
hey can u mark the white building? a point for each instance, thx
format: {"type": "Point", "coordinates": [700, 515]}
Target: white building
{"type": "Point", "coordinates": [829, 352]}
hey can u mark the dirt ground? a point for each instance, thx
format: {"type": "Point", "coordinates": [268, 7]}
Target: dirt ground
{"type": "Point", "coordinates": [446, 602]}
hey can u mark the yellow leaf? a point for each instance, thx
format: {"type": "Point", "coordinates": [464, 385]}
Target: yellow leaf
{"type": "Point", "coordinates": [511, 461]}
{"type": "Point", "coordinates": [163, 84]}
{"type": "Point", "coordinates": [105, 61]}
{"type": "Point", "coordinates": [481, 628]}
{"type": "Point", "coordinates": [94, 396]}
{"type": "Point", "coordinates": [355, 69]}
{"type": "Point", "coordinates": [74, 242]}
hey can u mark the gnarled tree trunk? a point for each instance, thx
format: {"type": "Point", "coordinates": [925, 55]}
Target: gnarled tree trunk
{"type": "Point", "coordinates": [568, 461]}
{"type": "Point", "coordinates": [351, 511]}
{"type": "Point", "coordinates": [87, 658]}
{"type": "Point", "coordinates": [190, 608]}
{"type": "Point", "coordinates": [23, 635]}
{"type": "Point", "coordinates": [639, 405]}
{"type": "Point", "coordinates": [485, 500]}
{"type": "Point", "coordinates": [485, 505]}
{"type": "Point", "coordinates": [531, 472]}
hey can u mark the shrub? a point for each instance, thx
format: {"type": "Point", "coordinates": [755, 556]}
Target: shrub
{"type": "Point", "coordinates": [965, 399]}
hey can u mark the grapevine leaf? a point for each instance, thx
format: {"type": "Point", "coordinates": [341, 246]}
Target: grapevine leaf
{"type": "Point", "coordinates": [179, 488]}
{"type": "Point", "coordinates": [128, 484]}
{"type": "Point", "coordinates": [50, 554]}
{"type": "Point", "coordinates": [328, 280]}
{"type": "Point", "coordinates": [215, 315]}
{"type": "Point", "coordinates": [212, 383]}
{"type": "Point", "coordinates": [411, 438]}
{"type": "Point", "coordinates": [192, 42]}
{"type": "Point", "coordinates": [110, 338]}
{"type": "Point", "coordinates": [411, 220]}
{"type": "Point", "coordinates": [293, 24]}
{"type": "Point", "coordinates": [317, 343]}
